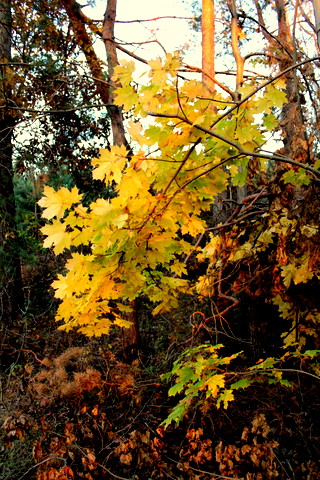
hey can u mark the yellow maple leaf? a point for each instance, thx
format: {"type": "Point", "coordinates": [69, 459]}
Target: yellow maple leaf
{"type": "Point", "coordinates": [56, 203]}
{"type": "Point", "coordinates": [192, 225]}
{"type": "Point", "coordinates": [214, 384]}
{"type": "Point", "coordinates": [121, 322]}
{"type": "Point", "coordinates": [56, 236]}
{"type": "Point", "coordinates": [110, 164]}
{"type": "Point", "coordinates": [101, 207]}
{"type": "Point", "coordinates": [79, 262]}
{"type": "Point", "coordinates": [108, 289]}
{"type": "Point", "coordinates": [124, 72]}
{"type": "Point", "coordinates": [126, 97]}
{"type": "Point", "coordinates": [133, 183]}
{"type": "Point", "coordinates": [136, 132]}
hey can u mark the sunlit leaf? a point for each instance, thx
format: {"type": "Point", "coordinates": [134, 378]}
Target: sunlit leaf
{"type": "Point", "coordinates": [56, 203]}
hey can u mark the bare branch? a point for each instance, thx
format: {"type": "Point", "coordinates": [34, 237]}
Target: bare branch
{"type": "Point", "coordinates": [155, 19]}
{"type": "Point", "coordinates": [131, 54]}
{"type": "Point", "coordinates": [213, 79]}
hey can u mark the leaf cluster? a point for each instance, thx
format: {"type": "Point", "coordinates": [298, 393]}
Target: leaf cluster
{"type": "Point", "coordinates": [140, 241]}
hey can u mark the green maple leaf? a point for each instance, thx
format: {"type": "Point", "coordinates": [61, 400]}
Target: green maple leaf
{"type": "Point", "coordinates": [226, 397]}
{"type": "Point", "coordinates": [270, 122]}
{"type": "Point", "coordinates": [177, 388]}
{"type": "Point", "coordinates": [277, 96]}
{"type": "Point", "coordinates": [126, 97]}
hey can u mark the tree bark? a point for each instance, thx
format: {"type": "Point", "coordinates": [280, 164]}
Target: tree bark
{"type": "Point", "coordinates": [78, 21]}
{"type": "Point", "coordinates": [83, 39]}
{"type": "Point", "coordinates": [116, 117]}
{"type": "Point", "coordinates": [295, 140]}
{"type": "Point", "coordinates": [131, 335]}
{"type": "Point", "coordinates": [316, 7]}
{"type": "Point", "coordinates": [104, 87]}
{"type": "Point", "coordinates": [296, 144]}
{"type": "Point", "coordinates": [207, 28]}
{"type": "Point", "coordinates": [235, 43]}
{"type": "Point", "coordinates": [11, 295]}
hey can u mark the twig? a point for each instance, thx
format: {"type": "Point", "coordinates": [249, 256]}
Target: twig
{"type": "Point", "coordinates": [213, 79]}
{"type": "Point", "coordinates": [224, 256]}
{"type": "Point", "coordinates": [154, 19]}
{"type": "Point", "coordinates": [24, 350]}
{"type": "Point", "coordinates": [44, 461]}
{"type": "Point", "coordinates": [131, 54]}
{"type": "Point", "coordinates": [216, 475]}
{"type": "Point", "coordinates": [52, 112]}
{"type": "Point", "coordinates": [110, 473]}
{"type": "Point", "coordinates": [181, 165]}
{"type": "Point", "coordinates": [292, 370]}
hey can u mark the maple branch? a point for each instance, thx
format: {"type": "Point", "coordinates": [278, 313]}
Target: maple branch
{"type": "Point", "coordinates": [256, 370]}
{"type": "Point", "coordinates": [199, 176]}
{"type": "Point", "coordinates": [178, 98]}
{"type": "Point", "coordinates": [131, 54]}
{"type": "Point", "coordinates": [292, 370]}
{"type": "Point", "coordinates": [265, 84]}
{"type": "Point", "coordinates": [244, 153]}
{"type": "Point", "coordinates": [234, 222]}
{"type": "Point", "coordinates": [199, 127]}
{"type": "Point", "coordinates": [250, 198]}
{"type": "Point", "coordinates": [182, 164]}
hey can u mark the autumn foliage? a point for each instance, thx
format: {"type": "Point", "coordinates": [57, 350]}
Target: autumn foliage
{"type": "Point", "coordinates": [208, 237]}
{"type": "Point", "coordinates": [142, 241]}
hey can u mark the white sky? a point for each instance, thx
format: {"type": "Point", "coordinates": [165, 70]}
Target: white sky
{"type": "Point", "coordinates": [173, 34]}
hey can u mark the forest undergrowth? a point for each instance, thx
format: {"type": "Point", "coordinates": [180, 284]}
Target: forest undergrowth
{"type": "Point", "coordinates": [73, 407]}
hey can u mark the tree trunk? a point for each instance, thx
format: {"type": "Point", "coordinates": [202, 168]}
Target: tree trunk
{"type": "Point", "coordinates": [131, 335]}
{"type": "Point", "coordinates": [83, 39]}
{"type": "Point", "coordinates": [207, 28]}
{"type": "Point", "coordinates": [235, 43]}
{"type": "Point", "coordinates": [316, 7]}
{"type": "Point", "coordinates": [293, 126]}
{"type": "Point", "coordinates": [296, 144]}
{"type": "Point", "coordinates": [78, 21]}
{"type": "Point", "coordinates": [115, 113]}
{"type": "Point", "coordinates": [11, 295]}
